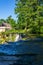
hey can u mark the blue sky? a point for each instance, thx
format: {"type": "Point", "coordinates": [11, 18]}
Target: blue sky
{"type": "Point", "coordinates": [7, 9]}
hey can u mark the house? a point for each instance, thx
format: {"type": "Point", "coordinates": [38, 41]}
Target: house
{"type": "Point", "coordinates": [5, 26]}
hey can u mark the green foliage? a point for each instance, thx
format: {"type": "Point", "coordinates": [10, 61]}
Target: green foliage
{"type": "Point", "coordinates": [11, 21]}
{"type": "Point", "coordinates": [1, 21]}
{"type": "Point", "coordinates": [30, 15]}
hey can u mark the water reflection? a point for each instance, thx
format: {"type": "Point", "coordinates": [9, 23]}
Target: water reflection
{"type": "Point", "coordinates": [29, 59]}
{"type": "Point", "coordinates": [23, 53]}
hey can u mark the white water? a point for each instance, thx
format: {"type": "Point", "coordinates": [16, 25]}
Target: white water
{"type": "Point", "coordinates": [18, 37]}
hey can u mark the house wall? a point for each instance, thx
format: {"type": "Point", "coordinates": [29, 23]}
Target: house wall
{"type": "Point", "coordinates": [2, 29]}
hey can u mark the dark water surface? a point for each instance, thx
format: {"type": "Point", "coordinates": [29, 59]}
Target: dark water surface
{"type": "Point", "coordinates": [22, 53]}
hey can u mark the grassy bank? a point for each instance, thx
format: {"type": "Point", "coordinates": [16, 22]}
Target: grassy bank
{"type": "Point", "coordinates": [11, 34]}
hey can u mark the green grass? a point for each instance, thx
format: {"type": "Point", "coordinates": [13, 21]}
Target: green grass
{"type": "Point", "coordinates": [14, 31]}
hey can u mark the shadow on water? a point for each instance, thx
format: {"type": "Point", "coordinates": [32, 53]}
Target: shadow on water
{"type": "Point", "coordinates": [26, 59]}
{"type": "Point", "coordinates": [32, 59]}
{"type": "Point", "coordinates": [22, 53]}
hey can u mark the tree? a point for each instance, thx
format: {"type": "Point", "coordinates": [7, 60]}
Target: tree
{"type": "Point", "coordinates": [11, 21]}
{"type": "Point", "coordinates": [1, 21]}
{"type": "Point", "coordinates": [30, 13]}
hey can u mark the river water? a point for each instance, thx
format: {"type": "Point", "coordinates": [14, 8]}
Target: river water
{"type": "Point", "coordinates": [21, 53]}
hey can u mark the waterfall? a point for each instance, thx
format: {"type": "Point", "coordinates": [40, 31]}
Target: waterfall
{"type": "Point", "coordinates": [18, 37]}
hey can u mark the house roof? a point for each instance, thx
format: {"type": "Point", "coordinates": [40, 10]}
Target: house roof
{"type": "Point", "coordinates": [6, 24]}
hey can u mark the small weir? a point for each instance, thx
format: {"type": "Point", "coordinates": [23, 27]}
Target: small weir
{"type": "Point", "coordinates": [18, 37]}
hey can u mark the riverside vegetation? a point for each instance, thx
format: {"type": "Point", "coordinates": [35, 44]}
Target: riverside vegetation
{"type": "Point", "coordinates": [29, 22]}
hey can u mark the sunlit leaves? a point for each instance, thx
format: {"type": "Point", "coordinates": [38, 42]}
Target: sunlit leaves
{"type": "Point", "coordinates": [30, 13]}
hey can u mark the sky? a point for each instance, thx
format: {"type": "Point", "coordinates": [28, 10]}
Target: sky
{"type": "Point", "coordinates": [7, 9]}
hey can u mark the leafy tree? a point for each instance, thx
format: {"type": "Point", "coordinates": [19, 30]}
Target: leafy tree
{"type": "Point", "coordinates": [11, 21]}
{"type": "Point", "coordinates": [1, 21]}
{"type": "Point", "coordinates": [30, 14]}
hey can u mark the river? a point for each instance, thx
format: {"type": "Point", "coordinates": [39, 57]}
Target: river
{"type": "Point", "coordinates": [21, 53]}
